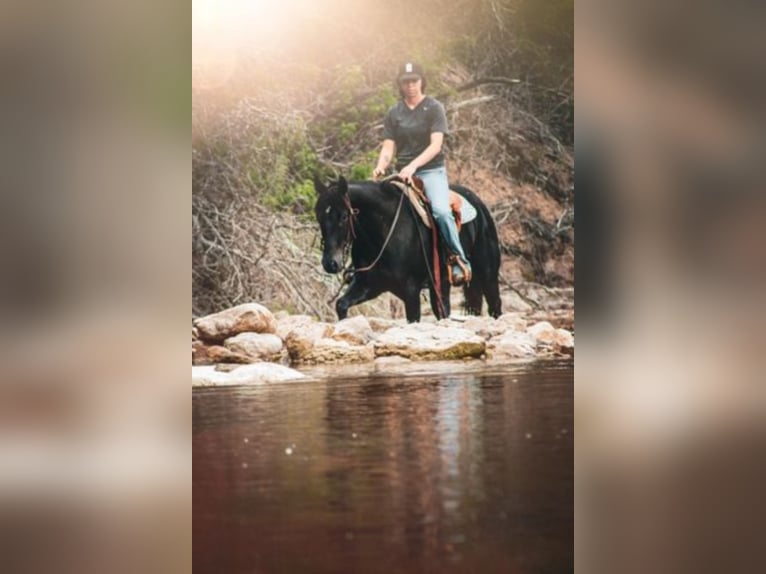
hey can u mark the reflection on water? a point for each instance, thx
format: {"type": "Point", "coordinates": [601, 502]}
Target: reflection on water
{"type": "Point", "coordinates": [443, 473]}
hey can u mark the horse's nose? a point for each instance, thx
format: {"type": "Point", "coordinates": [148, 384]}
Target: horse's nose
{"type": "Point", "coordinates": [331, 266]}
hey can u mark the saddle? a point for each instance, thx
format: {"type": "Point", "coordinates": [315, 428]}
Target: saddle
{"type": "Point", "coordinates": [462, 211]}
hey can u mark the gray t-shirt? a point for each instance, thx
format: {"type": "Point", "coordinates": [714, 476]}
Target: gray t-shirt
{"type": "Point", "coordinates": [411, 130]}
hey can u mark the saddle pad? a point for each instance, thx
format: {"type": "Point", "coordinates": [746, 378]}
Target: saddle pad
{"type": "Point", "coordinates": [414, 198]}
{"type": "Point", "coordinates": [464, 208]}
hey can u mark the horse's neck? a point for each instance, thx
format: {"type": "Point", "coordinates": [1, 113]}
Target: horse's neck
{"type": "Point", "coordinates": [374, 209]}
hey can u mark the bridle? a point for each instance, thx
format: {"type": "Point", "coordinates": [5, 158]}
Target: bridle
{"type": "Point", "coordinates": [350, 237]}
{"type": "Point", "coordinates": [350, 232]}
{"type": "Point", "coordinates": [348, 271]}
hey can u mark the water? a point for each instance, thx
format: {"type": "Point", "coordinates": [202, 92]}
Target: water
{"type": "Point", "coordinates": [464, 472]}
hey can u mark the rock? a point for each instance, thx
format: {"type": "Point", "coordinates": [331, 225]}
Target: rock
{"type": "Point", "coordinates": [429, 342]}
{"type": "Point", "coordinates": [218, 354]}
{"type": "Point", "coordinates": [564, 341]}
{"type": "Point", "coordinates": [379, 325]}
{"type": "Point", "coordinates": [550, 298]}
{"type": "Point", "coordinates": [511, 345]}
{"type": "Point", "coordinates": [488, 327]}
{"type": "Point", "coordinates": [280, 315]}
{"type": "Point", "coordinates": [327, 351]}
{"type": "Point", "coordinates": [200, 353]}
{"type": "Point", "coordinates": [512, 321]}
{"type": "Point", "coordinates": [559, 318]}
{"type": "Point", "coordinates": [512, 301]}
{"type": "Point", "coordinates": [564, 338]}
{"type": "Point", "coordinates": [300, 341]}
{"type": "Point", "coordinates": [258, 347]}
{"type": "Point", "coordinates": [542, 331]}
{"type": "Point", "coordinates": [546, 334]}
{"type": "Point", "coordinates": [242, 318]}
{"type": "Point", "coordinates": [355, 330]}
{"type": "Point", "coordinates": [288, 324]}
{"type": "Point", "coordinates": [481, 325]}
{"type": "Point", "coordinates": [256, 373]}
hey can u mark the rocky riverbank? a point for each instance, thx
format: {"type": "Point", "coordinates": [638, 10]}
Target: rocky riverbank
{"type": "Point", "coordinates": [250, 344]}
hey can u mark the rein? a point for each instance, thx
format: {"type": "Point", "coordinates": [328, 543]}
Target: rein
{"type": "Point", "coordinates": [348, 271]}
{"type": "Point", "coordinates": [350, 233]}
{"type": "Point", "coordinates": [388, 237]}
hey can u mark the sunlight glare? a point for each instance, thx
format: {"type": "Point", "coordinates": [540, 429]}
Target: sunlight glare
{"type": "Point", "coordinates": [225, 31]}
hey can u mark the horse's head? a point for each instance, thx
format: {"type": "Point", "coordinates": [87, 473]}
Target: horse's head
{"type": "Point", "coordinates": [334, 213]}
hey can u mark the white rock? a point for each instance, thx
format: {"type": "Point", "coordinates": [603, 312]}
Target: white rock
{"type": "Point", "coordinates": [256, 373]}
{"type": "Point", "coordinates": [484, 326]}
{"type": "Point", "coordinates": [379, 325]}
{"type": "Point", "coordinates": [511, 345]}
{"type": "Point", "coordinates": [513, 321]}
{"type": "Point", "coordinates": [542, 331]}
{"type": "Point", "coordinates": [326, 351]}
{"type": "Point", "coordinates": [247, 317]}
{"type": "Point", "coordinates": [546, 333]}
{"type": "Point", "coordinates": [514, 302]}
{"type": "Point", "coordinates": [300, 341]}
{"type": "Point", "coordinates": [355, 330]}
{"type": "Point", "coordinates": [290, 323]}
{"type": "Point", "coordinates": [564, 339]}
{"type": "Point", "coordinates": [258, 346]}
{"type": "Point", "coordinates": [424, 341]}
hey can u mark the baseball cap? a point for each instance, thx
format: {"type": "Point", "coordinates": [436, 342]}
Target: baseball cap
{"type": "Point", "coordinates": [409, 71]}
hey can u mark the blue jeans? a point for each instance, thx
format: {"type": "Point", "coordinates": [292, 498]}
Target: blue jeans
{"type": "Point", "coordinates": [437, 190]}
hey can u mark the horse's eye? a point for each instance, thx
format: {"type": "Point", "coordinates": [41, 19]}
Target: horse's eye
{"type": "Point", "coordinates": [344, 217]}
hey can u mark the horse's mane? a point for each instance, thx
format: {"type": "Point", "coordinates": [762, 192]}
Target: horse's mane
{"type": "Point", "coordinates": [369, 186]}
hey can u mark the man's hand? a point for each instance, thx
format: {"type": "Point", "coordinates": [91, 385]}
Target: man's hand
{"type": "Point", "coordinates": [378, 172]}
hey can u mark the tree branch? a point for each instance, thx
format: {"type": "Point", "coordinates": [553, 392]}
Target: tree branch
{"type": "Point", "coordinates": [490, 80]}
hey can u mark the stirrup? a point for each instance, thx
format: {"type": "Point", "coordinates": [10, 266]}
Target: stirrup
{"type": "Point", "coordinates": [458, 272]}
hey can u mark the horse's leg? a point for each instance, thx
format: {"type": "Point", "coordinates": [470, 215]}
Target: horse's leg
{"type": "Point", "coordinates": [445, 291]}
{"type": "Point", "coordinates": [358, 292]}
{"type": "Point", "coordinates": [412, 309]}
{"type": "Point", "coordinates": [472, 295]}
{"type": "Point", "coordinates": [492, 295]}
{"type": "Point", "coordinates": [412, 305]}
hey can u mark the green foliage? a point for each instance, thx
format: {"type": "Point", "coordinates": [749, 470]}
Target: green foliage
{"type": "Point", "coordinates": [299, 198]}
{"type": "Point", "coordinates": [347, 131]}
{"type": "Point", "coordinates": [383, 99]}
{"type": "Point", "coordinates": [351, 78]}
{"type": "Point", "coordinates": [289, 184]}
{"type": "Point", "coordinates": [360, 171]}
{"type": "Point", "coordinates": [260, 156]}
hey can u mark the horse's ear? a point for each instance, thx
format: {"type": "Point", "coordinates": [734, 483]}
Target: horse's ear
{"type": "Point", "coordinates": [319, 187]}
{"type": "Point", "coordinates": [342, 185]}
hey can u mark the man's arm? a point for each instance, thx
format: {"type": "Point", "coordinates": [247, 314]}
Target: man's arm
{"type": "Point", "coordinates": [433, 149]}
{"type": "Point", "coordinates": [385, 158]}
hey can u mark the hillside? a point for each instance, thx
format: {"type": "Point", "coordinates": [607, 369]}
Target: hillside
{"type": "Point", "coordinates": [271, 114]}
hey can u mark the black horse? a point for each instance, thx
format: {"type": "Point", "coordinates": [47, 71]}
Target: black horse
{"type": "Point", "coordinates": [391, 248]}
